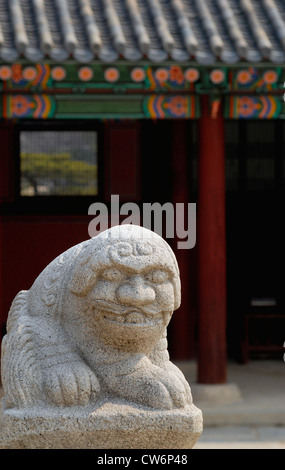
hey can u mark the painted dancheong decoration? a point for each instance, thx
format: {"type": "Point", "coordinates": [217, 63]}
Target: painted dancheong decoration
{"type": "Point", "coordinates": [254, 107]}
{"type": "Point", "coordinates": [43, 91]}
{"type": "Point", "coordinates": [132, 52]}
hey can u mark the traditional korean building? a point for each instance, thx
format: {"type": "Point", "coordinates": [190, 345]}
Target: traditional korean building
{"type": "Point", "coordinates": [154, 101]}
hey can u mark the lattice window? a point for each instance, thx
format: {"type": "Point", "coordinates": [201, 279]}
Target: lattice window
{"type": "Point", "coordinates": [58, 163]}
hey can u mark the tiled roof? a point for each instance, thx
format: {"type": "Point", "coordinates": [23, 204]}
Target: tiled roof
{"type": "Point", "coordinates": [205, 31]}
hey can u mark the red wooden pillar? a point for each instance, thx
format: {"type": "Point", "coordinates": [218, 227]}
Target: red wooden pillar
{"type": "Point", "coordinates": [211, 241]}
{"type": "Point", "coordinates": [122, 160]}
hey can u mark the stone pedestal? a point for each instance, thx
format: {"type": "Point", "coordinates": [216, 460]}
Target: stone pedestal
{"type": "Point", "coordinates": [109, 426]}
{"type": "Point", "coordinates": [216, 393]}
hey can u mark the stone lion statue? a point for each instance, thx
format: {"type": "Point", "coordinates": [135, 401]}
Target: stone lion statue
{"type": "Point", "coordinates": [93, 327]}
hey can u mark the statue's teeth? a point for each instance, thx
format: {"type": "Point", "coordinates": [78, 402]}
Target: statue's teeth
{"type": "Point", "coordinates": [135, 317]}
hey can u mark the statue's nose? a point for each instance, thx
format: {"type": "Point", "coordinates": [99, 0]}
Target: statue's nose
{"type": "Point", "coordinates": [135, 292]}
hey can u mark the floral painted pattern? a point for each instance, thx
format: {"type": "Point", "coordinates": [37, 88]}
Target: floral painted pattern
{"type": "Point", "coordinates": [192, 75]}
{"type": "Point", "coordinates": [177, 106]}
{"type": "Point", "coordinates": [5, 72]}
{"type": "Point", "coordinates": [20, 106]}
{"type": "Point", "coordinates": [58, 73]}
{"type": "Point", "coordinates": [254, 107]}
{"type": "Point", "coordinates": [25, 77]}
{"type": "Point", "coordinates": [30, 106]}
{"type": "Point", "coordinates": [85, 74]}
{"type": "Point", "coordinates": [176, 75]}
{"type": "Point", "coordinates": [255, 79]}
{"type": "Point", "coordinates": [217, 76]}
{"type": "Point", "coordinates": [138, 75]}
{"type": "Point", "coordinates": [29, 73]}
{"type": "Point", "coordinates": [244, 77]}
{"type": "Point", "coordinates": [164, 107]}
{"type": "Point", "coordinates": [17, 75]}
{"type": "Point", "coordinates": [112, 74]}
{"type": "Point", "coordinates": [161, 75]}
{"type": "Point", "coordinates": [270, 77]}
{"type": "Point", "coordinates": [246, 106]}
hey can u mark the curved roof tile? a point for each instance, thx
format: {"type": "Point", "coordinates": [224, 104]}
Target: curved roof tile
{"type": "Point", "coordinates": [116, 30]}
{"type": "Point", "coordinates": [205, 31]}
{"type": "Point", "coordinates": [161, 25]}
{"type": "Point", "coordinates": [233, 28]}
{"type": "Point", "coordinates": [46, 42]}
{"type": "Point", "coordinates": [210, 28]}
{"type": "Point", "coordinates": [262, 40]}
{"type": "Point", "coordinates": [92, 30]}
{"type": "Point", "coordinates": [138, 26]}
{"type": "Point", "coordinates": [66, 23]}
{"type": "Point", "coordinates": [21, 39]}
{"type": "Point", "coordinates": [184, 25]}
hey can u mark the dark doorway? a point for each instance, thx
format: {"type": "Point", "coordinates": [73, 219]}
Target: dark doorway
{"type": "Point", "coordinates": [255, 223]}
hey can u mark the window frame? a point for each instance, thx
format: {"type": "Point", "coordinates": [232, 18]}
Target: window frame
{"type": "Point", "coordinates": [59, 204]}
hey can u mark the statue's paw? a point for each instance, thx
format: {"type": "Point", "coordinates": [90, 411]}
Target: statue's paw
{"type": "Point", "coordinates": [154, 394]}
{"type": "Point", "coordinates": [72, 385]}
{"type": "Point", "coordinates": [174, 382]}
{"type": "Point", "coordinates": [140, 388]}
{"type": "Point", "coordinates": [178, 374]}
{"type": "Point", "coordinates": [162, 391]}
{"type": "Point", "coordinates": [179, 390]}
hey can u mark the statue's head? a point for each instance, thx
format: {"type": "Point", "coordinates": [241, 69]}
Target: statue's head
{"type": "Point", "coordinates": [124, 284]}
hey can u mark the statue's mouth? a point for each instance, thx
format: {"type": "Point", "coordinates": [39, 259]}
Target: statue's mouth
{"type": "Point", "coordinates": [144, 316]}
{"type": "Point", "coordinates": [133, 318]}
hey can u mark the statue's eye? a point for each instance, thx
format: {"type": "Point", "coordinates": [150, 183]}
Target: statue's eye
{"type": "Point", "coordinates": [158, 276]}
{"type": "Point", "coordinates": [112, 274]}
